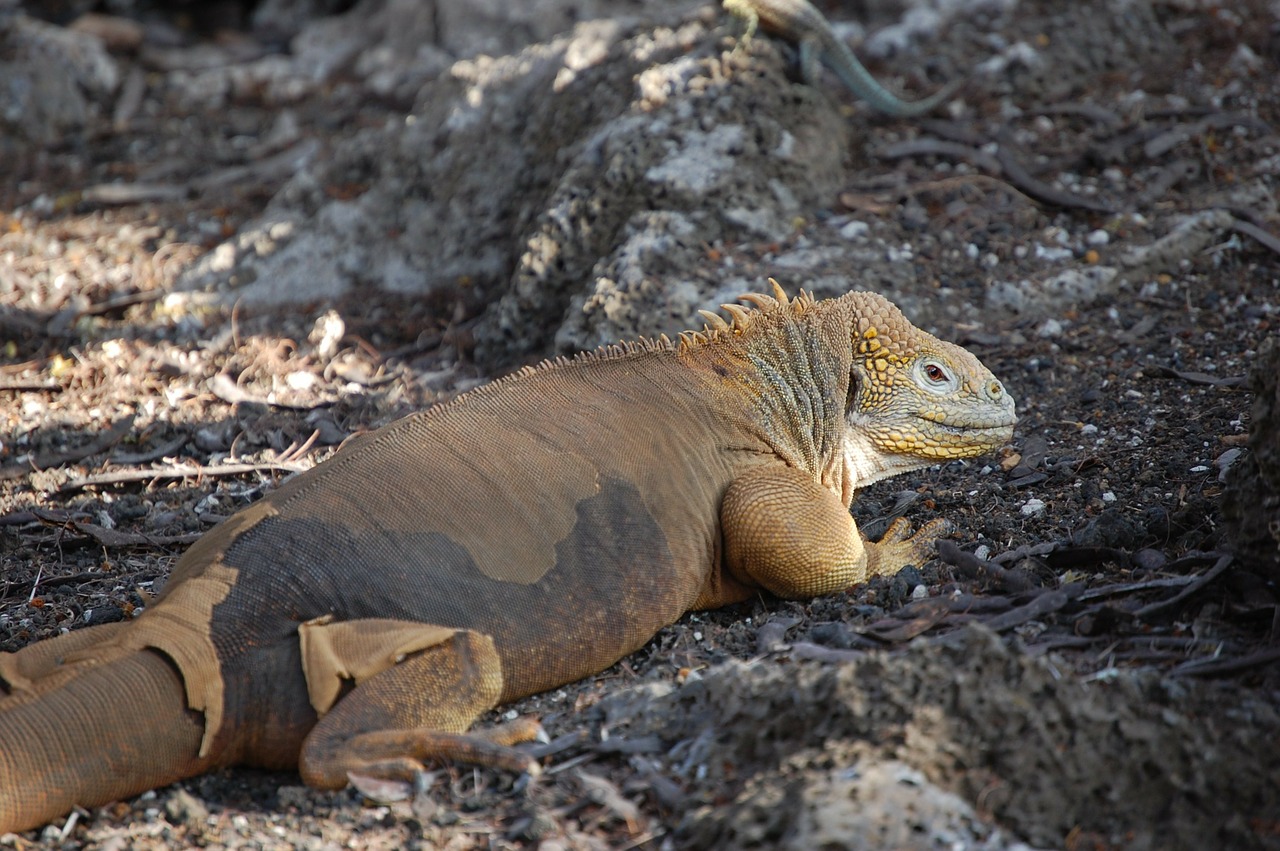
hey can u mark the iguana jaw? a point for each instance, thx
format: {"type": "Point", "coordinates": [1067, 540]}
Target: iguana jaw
{"type": "Point", "coordinates": [877, 451]}
{"type": "Point", "coordinates": [985, 435]}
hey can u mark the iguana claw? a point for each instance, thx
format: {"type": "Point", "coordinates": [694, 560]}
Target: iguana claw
{"type": "Point", "coordinates": [898, 547]}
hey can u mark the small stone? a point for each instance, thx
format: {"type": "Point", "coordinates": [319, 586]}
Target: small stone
{"type": "Point", "coordinates": [835, 634]}
{"type": "Point", "coordinates": [1049, 328]}
{"type": "Point", "coordinates": [327, 332]}
{"type": "Point", "coordinates": [1148, 559]}
{"type": "Point", "coordinates": [301, 380]}
{"type": "Point", "coordinates": [184, 808]}
{"type": "Point", "coordinates": [855, 230]}
{"type": "Point", "coordinates": [116, 33]}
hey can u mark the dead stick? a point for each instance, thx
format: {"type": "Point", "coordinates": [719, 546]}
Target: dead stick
{"type": "Point", "coordinates": [1129, 587]}
{"type": "Point", "coordinates": [178, 472]}
{"type": "Point", "coordinates": [1197, 668]}
{"type": "Point", "coordinates": [950, 553]}
{"type": "Point", "coordinates": [1207, 577]}
{"type": "Point", "coordinates": [1049, 601]}
{"type": "Point", "coordinates": [101, 443]}
{"type": "Point", "coordinates": [1018, 175]}
{"type": "Point", "coordinates": [818, 653]}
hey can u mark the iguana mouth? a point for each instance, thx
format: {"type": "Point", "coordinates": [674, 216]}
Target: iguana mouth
{"type": "Point", "coordinates": [972, 428]}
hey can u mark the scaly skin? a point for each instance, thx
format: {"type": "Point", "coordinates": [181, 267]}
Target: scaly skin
{"type": "Point", "coordinates": [525, 535]}
{"type": "Point", "coordinates": [799, 22]}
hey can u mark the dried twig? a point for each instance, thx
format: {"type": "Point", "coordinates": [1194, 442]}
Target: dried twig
{"type": "Point", "coordinates": [101, 443]}
{"type": "Point", "coordinates": [567, 742]}
{"type": "Point", "coordinates": [1091, 111]}
{"type": "Point", "coordinates": [1018, 175]}
{"type": "Point", "coordinates": [28, 515]}
{"type": "Point", "coordinates": [912, 620]}
{"type": "Point", "coordinates": [927, 147]}
{"type": "Point", "coordinates": [109, 194]}
{"type": "Point", "coordinates": [819, 653]}
{"type": "Point", "coordinates": [1174, 136]}
{"type": "Point", "coordinates": [1130, 587]}
{"type": "Point", "coordinates": [126, 459]}
{"type": "Point", "coordinates": [1218, 667]}
{"type": "Point", "coordinates": [225, 388]}
{"type": "Point", "coordinates": [1199, 377]}
{"type": "Point", "coordinates": [970, 564]}
{"type": "Point", "coordinates": [608, 796]}
{"type": "Point", "coordinates": [771, 636]}
{"type": "Point", "coordinates": [1264, 237]}
{"type": "Point", "coordinates": [122, 301]}
{"type": "Point", "coordinates": [1049, 601]}
{"type": "Point", "coordinates": [1205, 578]}
{"type": "Point", "coordinates": [640, 744]}
{"type": "Point", "coordinates": [110, 538]}
{"type": "Point", "coordinates": [180, 471]}
{"type": "Point", "coordinates": [34, 383]}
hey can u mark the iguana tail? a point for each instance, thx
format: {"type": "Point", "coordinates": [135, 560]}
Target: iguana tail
{"type": "Point", "coordinates": [102, 726]}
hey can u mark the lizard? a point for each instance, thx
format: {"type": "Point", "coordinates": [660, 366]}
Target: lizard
{"type": "Point", "coordinates": [529, 533]}
{"type": "Point", "coordinates": [799, 22]}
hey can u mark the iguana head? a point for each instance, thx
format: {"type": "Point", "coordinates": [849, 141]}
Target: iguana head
{"type": "Point", "coordinates": [910, 399]}
{"type": "Point", "coordinates": [915, 400]}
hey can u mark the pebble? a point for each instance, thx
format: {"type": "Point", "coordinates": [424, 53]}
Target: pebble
{"type": "Point", "coordinates": [855, 230]}
{"type": "Point", "coordinates": [183, 808]}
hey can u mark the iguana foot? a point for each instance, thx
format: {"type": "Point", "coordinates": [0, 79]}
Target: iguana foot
{"type": "Point", "coordinates": [744, 12]}
{"type": "Point", "coordinates": [395, 778]}
{"type": "Point", "coordinates": [898, 548]}
{"type": "Point", "coordinates": [493, 747]}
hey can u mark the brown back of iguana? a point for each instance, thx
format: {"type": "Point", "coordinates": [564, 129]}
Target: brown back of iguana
{"type": "Point", "coordinates": [556, 519]}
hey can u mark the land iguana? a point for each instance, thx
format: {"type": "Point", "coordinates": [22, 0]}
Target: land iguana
{"type": "Point", "coordinates": [524, 535]}
{"type": "Point", "coordinates": [800, 23]}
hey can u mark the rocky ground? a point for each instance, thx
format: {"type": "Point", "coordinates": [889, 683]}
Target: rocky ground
{"type": "Point", "coordinates": [231, 236]}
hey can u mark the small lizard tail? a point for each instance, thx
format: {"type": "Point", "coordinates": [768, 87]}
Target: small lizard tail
{"type": "Point", "coordinates": [859, 80]}
{"type": "Point", "coordinates": [100, 730]}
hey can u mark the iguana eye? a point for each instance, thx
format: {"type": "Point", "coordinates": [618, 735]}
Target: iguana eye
{"type": "Point", "coordinates": [935, 377]}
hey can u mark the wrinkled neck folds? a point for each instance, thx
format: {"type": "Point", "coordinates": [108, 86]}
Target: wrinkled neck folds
{"type": "Point", "coordinates": [799, 388]}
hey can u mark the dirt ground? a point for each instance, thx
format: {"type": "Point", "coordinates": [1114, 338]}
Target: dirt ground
{"type": "Point", "coordinates": [1085, 666]}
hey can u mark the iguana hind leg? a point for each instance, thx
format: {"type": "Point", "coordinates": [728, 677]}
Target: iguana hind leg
{"type": "Point", "coordinates": [408, 705]}
{"type": "Point", "coordinates": [794, 537]}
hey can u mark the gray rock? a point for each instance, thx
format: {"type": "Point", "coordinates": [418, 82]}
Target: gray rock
{"type": "Point", "coordinates": [52, 80]}
{"type": "Point", "coordinates": [1251, 502]}
{"type": "Point", "coordinates": [556, 190]}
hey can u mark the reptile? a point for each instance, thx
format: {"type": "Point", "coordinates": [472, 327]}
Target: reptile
{"type": "Point", "coordinates": [528, 533]}
{"type": "Point", "coordinates": [800, 23]}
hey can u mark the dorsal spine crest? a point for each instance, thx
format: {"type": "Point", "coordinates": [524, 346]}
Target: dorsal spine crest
{"type": "Point", "coordinates": [743, 321]}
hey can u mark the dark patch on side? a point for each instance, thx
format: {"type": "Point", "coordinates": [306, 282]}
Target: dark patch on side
{"type": "Point", "coordinates": [613, 586]}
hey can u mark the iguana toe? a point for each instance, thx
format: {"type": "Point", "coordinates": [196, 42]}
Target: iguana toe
{"type": "Point", "coordinates": [898, 547]}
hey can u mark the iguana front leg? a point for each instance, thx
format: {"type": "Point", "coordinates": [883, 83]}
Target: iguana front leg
{"type": "Point", "coordinates": [418, 688]}
{"type": "Point", "coordinates": [745, 12]}
{"type": "Point", "coordinates": [792, 536]}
